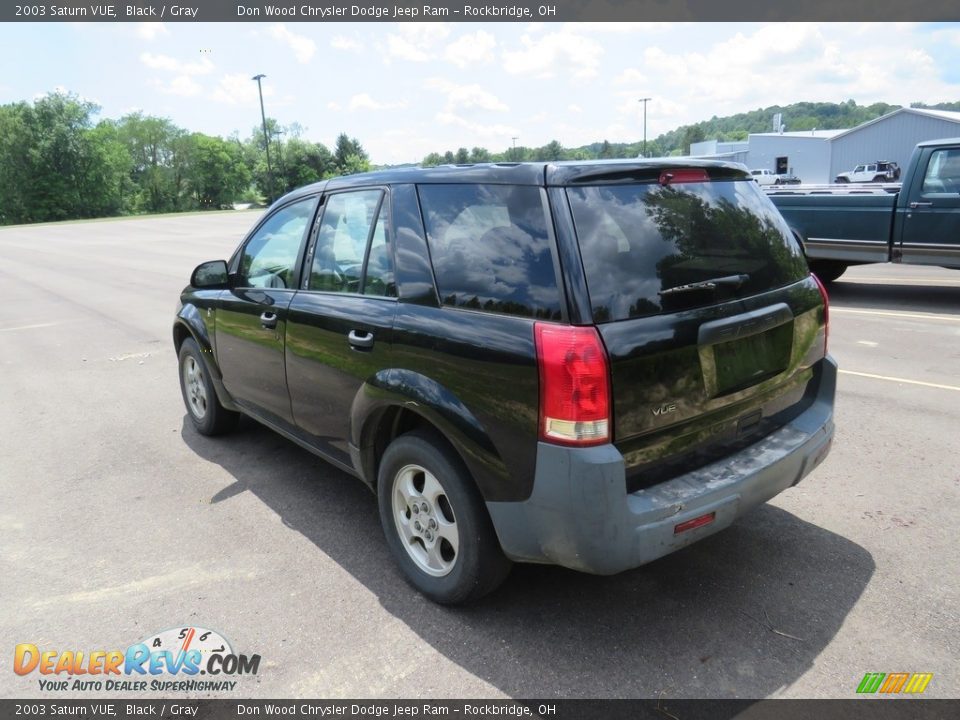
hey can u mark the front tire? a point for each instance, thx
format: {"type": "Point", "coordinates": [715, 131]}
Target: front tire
{"type": "Point", "coordinates": [435, 522]}
{"type": "Point", "coordinates": [206, 413]}
{"type": "Point", "coordinates": [827, 270]}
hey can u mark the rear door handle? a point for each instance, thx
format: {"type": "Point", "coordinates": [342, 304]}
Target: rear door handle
{"type": "Point", "coordinates": [362, 339]}
{"type": "Point", "coordinates": [914, 205]}
{"type": "Point", "coordinates": [268, 320]}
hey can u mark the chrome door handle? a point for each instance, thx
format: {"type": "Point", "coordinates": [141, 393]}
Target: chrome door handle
{"type": "Point", "coordinates": [362, 340]}
{"type": "Point", "coordinates": [268, 320]}
{"type": "Point", "coordinates": [914, 205]}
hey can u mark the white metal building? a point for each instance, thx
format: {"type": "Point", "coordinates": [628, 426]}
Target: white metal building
{"type": "Point", "coordinates": [818, 156]}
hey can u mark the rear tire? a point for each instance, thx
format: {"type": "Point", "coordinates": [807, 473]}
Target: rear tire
{"type": "Point", "coordinates": [206, 413]}
{"type": "Point", "coordinates": [436, 523]}
{"type": "Point", "coordinates": [827, 270]}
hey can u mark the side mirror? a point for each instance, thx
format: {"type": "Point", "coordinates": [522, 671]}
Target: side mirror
{"type": "Point", "coordinates": [210, 275]}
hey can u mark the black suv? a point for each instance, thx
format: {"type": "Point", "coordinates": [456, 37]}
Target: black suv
{"type": "Point", "coordinates": [590, 364]}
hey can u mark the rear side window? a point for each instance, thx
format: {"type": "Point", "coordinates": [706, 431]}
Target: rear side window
{"type": "Point", "coordinates": [490, 248]}
{"type": "Point", "coordinates": [640, 241]}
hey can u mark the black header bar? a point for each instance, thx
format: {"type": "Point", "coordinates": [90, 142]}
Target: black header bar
{"type": "Point", "coordinates": [479, 11]}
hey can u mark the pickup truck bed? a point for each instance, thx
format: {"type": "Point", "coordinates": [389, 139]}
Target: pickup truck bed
{"type": "Point", "coordinates": [917, 222]}
{"type": "Point", "coordinates": [849, 223]}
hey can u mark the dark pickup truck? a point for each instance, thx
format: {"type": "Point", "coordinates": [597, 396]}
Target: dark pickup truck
{"type": "Point", "coordinates": [917, 222]}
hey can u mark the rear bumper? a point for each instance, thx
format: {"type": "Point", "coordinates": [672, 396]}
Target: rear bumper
{"type": "Point", "coordinates": [581, 516]}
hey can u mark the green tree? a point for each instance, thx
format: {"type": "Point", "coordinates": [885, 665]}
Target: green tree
{"type": "Point", "coordinates": [157, 151]}
{"type": "Point", "coordinates": [551, 151]}
{"type": "Point", "coordinates": [55, 165]}
{"type": "Point", "coordinates": [216, 174]}
{"type": "Point", "coordinates": [480, 155]}
{"type": "Point", "coordinates": [305, 163]}
{"type": "Point", "coordinates": [349, 156]}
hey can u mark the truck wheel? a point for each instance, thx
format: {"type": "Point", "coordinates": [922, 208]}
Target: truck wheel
{"type": "Point", "coordinates": [841, 180]}
{"type": "Point", "coordinates": [206, 413]}
{"type": "Point", "coordinates": [435, 522]}
{"type": "Point", "coordinates": [827, 270]}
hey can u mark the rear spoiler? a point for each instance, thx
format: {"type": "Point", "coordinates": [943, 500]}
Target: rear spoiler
{"type": "Point", "coordinates": [638, 171]}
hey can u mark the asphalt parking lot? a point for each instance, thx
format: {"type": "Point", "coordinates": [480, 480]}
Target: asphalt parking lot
{"type": "Point", "coordinates": [118, 521]}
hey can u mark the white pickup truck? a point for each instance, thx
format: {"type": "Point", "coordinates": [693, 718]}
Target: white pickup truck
{"type": "Point", "coordinates": [765, 177]}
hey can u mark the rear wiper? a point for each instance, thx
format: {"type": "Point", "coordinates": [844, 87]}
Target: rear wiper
{"type": "Point", "coordinates": [733, 281]}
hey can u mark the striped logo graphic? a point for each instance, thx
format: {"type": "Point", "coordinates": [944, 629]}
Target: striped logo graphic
{"type": "Point", "coordinates": [891, 683]}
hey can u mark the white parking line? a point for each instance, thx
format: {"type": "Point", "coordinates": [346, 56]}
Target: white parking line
{"type": "Point", "coordinates": [28, 327]}
{"type": "Point", "coordinates": [900, 380]}
{"type": "Point", "coordinates": [885, 313]}
{"type": "Point", "coordinates": [898, 280]}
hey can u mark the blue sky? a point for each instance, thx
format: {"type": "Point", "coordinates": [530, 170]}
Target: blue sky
{"type": "Point", "coordinates": [410, 88]}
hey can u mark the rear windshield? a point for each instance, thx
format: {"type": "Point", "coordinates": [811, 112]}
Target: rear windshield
{"type": "Point", "coordinates": [638, 241]}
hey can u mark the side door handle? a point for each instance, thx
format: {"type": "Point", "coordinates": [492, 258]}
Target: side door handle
{"type": "Point", "coordinates": [268, 320]}
{"type": "Point", "coordinates": [362, 340]}
{"type": "Point", "coordinates": [914, 205]}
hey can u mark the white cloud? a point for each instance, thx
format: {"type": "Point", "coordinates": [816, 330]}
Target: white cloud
{"type": "Point", "coordinates": [239, 89]}
{"type": "Point", "coordinates": [182, 85]}
{"type": "Point", "coordinates": [334, 105]}
{"type": "Point", "coordinates": [341, 42]}
{"type": "Point", "coordinates": [555, 53]}
{"type": "Point", "coordinates": [150, 30]}
{"type": "Point", "coordinates": [416, 42]}
{"type": "Point", "coordinates": [630, 75]}
{"type": "Point", "coordinates": [481, 133]}
{"type": "Point", "coordinates": [165, 62]}
{"type": "Point", "coordinates": [786, 63]}
{"type": "Point", "coordinates": [364, 102]}
{"type": "Point", "coordinates": [466, 97]}
{"type": "Point", "coordinates": [472, 49]}
{"type": "Point", "coordinates": [574, 109]}
{"type": "Point", "coordinates": [302, 46]}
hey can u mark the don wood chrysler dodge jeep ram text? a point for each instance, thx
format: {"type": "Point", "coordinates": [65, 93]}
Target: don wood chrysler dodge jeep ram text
{"type": "Point", "coordinates": [588, 364]}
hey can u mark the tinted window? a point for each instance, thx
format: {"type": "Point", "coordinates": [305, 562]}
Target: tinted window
{"type": "Point", "coordinates": [379, 276]}
{"type": "Point", "coordinates": [639, 240]}
{"type": "Point", "coordinates": [490, 248]}
{"type": "Point", "coordinates": [349, 221]}
{"type": "Point", "coordinates": [943, 172]}
{"type": "Point", "coordinates": [269, 258]}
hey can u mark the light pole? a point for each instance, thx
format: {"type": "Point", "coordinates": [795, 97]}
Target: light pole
{"type": "Point", "coordinates": [645, 101]}
{"type": "Point", "coordinates": [515, 148]}
{"type": "Point", "coordinates": [283, 169]}
{"type": "Point", "coordinates": [266, 138]}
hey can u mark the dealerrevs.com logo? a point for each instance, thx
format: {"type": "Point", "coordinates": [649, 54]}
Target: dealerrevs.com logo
{"type": "Point", "coordinates": [170, 661]}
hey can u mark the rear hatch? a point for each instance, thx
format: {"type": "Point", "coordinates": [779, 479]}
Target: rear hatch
{"type": "Point", "coordinates": [713, 326]}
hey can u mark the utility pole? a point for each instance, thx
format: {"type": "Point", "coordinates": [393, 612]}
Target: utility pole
{"type": "Point", "coordinates": [266, 138]}
{"type": "Point", "coordinates": [645, 101]}
{"type": "Point", "coordinates": [515, 148]}
{"type": "Point", "coordinates": [283, 168]}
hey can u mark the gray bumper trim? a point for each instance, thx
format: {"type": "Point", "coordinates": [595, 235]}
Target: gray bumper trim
{"type": "Point", "coordinates": [581, 516]}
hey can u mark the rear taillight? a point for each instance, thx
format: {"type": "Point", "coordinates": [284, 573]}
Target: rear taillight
{"type": "Point", "coordinates": [574, 385]}
{"type": "Point", "coordinates": [826, 311]}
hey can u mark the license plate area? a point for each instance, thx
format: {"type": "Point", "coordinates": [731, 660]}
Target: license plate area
{"type": "Point", "coordinates": [751, 360]}
{"type": "Point", "coordinates": [731, 366]}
